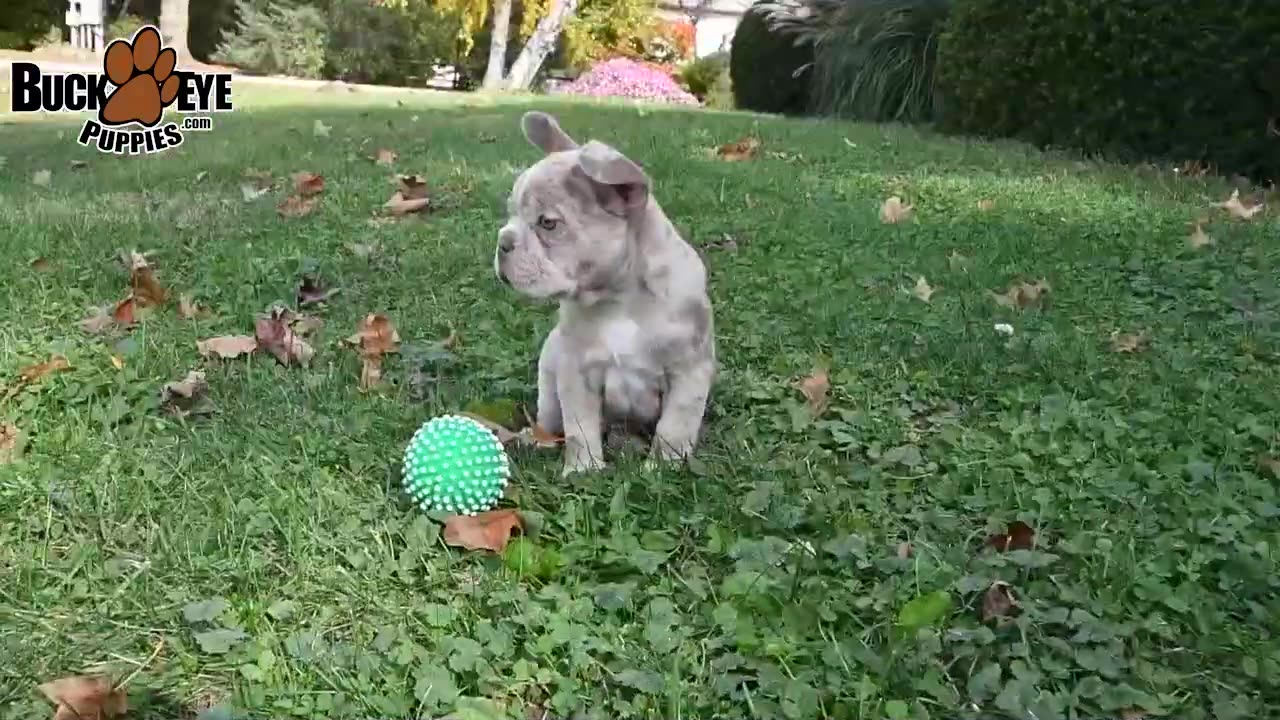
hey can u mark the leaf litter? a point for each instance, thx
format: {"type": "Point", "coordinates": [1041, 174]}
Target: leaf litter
{"type": "Point", "coordinates": [411, 196]}
{"type": "Point", "coordinates": [227, 346]}
{"type": "Point", "coordinates": [490, 530]}
{"type": "Point", "coordinates": [275, 334]}
{"type": "Point", "coordinates": [894, 211]}
{"type": "Point", "coordinates": [744, 149]}
{"type": "Point", "coordinates": [814, 388]}
{"type": "Point", "coordinates": [1237, 209]}
{"type": "Point", "coordinates": [1022, 295]}
{"type": "Point", "coordinates": [375, 336]}
{"type": "Point", "coordinates": [85, 697]}
{"type": "Point", "coordinates": [185, 397]}
{"type": "Point", "coordinates": [998, 601]}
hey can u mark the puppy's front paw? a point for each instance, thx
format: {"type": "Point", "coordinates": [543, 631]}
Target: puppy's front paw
{"type": "Point", "coordinates": [580, 461]}
{"type": "Point", "coordinates": [670, 450]}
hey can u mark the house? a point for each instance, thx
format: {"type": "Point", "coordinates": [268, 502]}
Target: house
{"type": "Point", "coordinates": [714, 21]}
{"type": "Point", "coordinates": [85, 19]}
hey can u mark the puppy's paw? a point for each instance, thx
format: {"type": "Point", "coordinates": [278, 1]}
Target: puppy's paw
{"type": "Point", "coordinates": [670, 451]}
{"type": "Point", "coordinates": [581, 462]}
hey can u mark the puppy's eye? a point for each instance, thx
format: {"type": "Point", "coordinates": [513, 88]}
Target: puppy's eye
{"type": "Point", "coordinates": [547, 223]}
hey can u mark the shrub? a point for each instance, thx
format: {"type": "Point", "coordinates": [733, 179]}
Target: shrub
{"type": "Point", "coordinates": [277, 39]}
{"type": "Point", "coordinates": [625, 78]}
{"type": "Point", "coordinates": [700, 75]}
{"type": "Point", "coordinates": [720, 96]}
{"type": "Point", "coordinates": [873, 59]}
{"type": "Point", "coordinates": [770, 73]}
{"type": "Point", "coordinates": [124, 27]}
{"type": "Point", "coordinates": [24, 23]}
{"type": "Point", "coordinates": [1178, 80]}
{"type": "Point", "coordinates": [375, 44]}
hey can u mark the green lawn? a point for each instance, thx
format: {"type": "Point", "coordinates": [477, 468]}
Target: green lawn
{"type": "Point", "coordinates": [260, 557]}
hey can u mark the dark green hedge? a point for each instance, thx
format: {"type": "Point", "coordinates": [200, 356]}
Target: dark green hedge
{"type": "Point", "coordinates": [762, 64]}
{"type": "Point", "coordinates": [1130, 79]}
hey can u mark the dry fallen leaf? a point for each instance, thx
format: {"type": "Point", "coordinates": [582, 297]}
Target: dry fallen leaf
{"type": "Point", "coordinates": [364, 251]}
{"type": "Point", "coordinates": [296, 206]}
{"type": "Point", "coordinates": [1022, 295]}
{"type": "Point", "coordinates": [412, 187]}
{"type": "Point", "coordinates": [84, 697]}
{"type": "Point", "coordinates": [146, 291]}
{"type": "Point", "coordinates": [814, 388]}
{"type": "Point", "coordinates": [259, 179]}
{"type": "Point", "coordinates": [227, 346]}
{"type": "Point", "coordinates": [398, 205]}
{"type": "Point", "coordinates": [375, 336]}
{"type": "Point", "coordinates": [984, 205]}
{"type": "Point", "coordinates": [1129, 342]}
{"type": "Point", "coordinates": [36, 373]}
{"type": "Point", "coordinates": [958, 261]}
{"type": "Point", "coordinates": [117, 362]}
{"type": "Point", "coordinates": [1199, 238]}
{"type": "Point", "coordinates": [189, 309]}
{"type": "Point", "coordinates": [895, 211]}
{"type": "Point", "coordinates": [319, 129]}
{"type": "Point", "coordinates": [10, 443]}
{"type": "Point", "coordinates": [41, 264]}
{"type": "Point", "coordinates": [1019, 536]}
{"type": "Point", "coordinates": [307, 184]}
{"type": "Point", "coordinates": [273, 333]}
{"type": "Point", "coordinates": [1238, 209]}
{"type": "Point", "coordinates": [489, 530]}
{"type": "Point", "coordinates": [42, 178]}
{"type": "Point", "coordinates": [904, 550]}
{"type": "Point", "coordinates": [182, 398]}
{"type": "Point", "coordinates": [1133, 713]}
{"type": "Point", "coordinates": [744, 149]}
{"type": "Point", "coordinates": [922, 289]}
{"type": "Point", "coordinates": [385, 157]}
{"type": "Point", "coordinates": [312, 292]}
{"type": "Point", "coordinates": [998, 601]}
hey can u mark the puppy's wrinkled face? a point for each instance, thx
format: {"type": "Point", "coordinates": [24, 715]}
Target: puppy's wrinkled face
{"type": "Point", "coordinates": [568, 222]}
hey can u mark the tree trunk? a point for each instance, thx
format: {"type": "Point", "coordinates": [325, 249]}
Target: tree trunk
{"type": "Point", "coordinates": [497, 67]}
{"type": "Point", "coordinates": [540, 44]}
{"type": "Point", "coordinates": [174, 25]}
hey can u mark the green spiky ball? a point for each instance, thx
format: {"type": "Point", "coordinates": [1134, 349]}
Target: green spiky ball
{"type": "Point", "coordinates": [456, 464]}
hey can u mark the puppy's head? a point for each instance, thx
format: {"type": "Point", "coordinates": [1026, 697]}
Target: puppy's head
{"type": "Point", "coordinates": [570, 216]}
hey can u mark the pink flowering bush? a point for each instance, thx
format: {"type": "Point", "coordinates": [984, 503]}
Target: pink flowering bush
{"type": "Point", "coordinates": [621, 77]}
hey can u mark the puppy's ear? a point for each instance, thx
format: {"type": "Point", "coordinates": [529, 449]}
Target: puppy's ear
{"type": "Point", "coordinates": [620, 185]}
{"type": "Point", "coordinates": [542, 130]}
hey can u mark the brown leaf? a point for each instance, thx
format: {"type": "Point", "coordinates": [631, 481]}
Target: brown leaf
{"type": "Point", "coordinates": [38, 372]}
{"type": "Point", "coordinates": [958, 261]}
{"type": "Point", "coordinates": [376, 335]}
{"type": "Point", "coordinates": [227, 346]}
{"type": "Point", "coordinates": [922, 289]}
{"type": "Point", "coordinates": [904, 550]}
{"type": "Point", "coordinates": [189, 309]}
{"type": "Point", "coordinates": [308, 184]}
{"type": "Point", "coordinates": [297, 206]}
{"type": "Point", "coordinates": [399, 205]}
{"type": "Point", "coordinates": [541, 437]}
{"type": "Point", "coordinates": [489, 530]}
{"type": "Point", "coordinates": [319, 129]}
{"type": "Point", "coordinates": [10, 443]}
{"type": "Point", "coordinates": [895, 211]}
{"type": "Point", "coordinates": [413, 187]}
{"type": "Point", "coordinates": [304, 325]}
{"type": "Point", "coordinates": [42, 178]}
{"type": "Point", "coordinates": [744, 149]}
{"type": "Point", "coordinates": [41, 264]}
{"type": "Point", "coordinates": [146, 291]}
{"type": "Point", "coordinates": [79, 164]}
{"type": "Point", "coordinates": [125, 312]}
{"type": "Point", "coordinates": [1019, 536]}
{"type": "Point", "coordinates": [312, 292]}
{"type": "Point", "coordinates": [1133, 713]}
{"type": "Point", "coordinates": [182, 398]}
{"type": "Point", "coordinates": [1238, 209]}
{"type": "Point", "coordinates": [84, 697]}
{"type": "Point", "coordinates": [1022, 295]}
{"type": "Point", "coordinates": [370, 371]}
{"type": "Point", "coordinates": [1129, 342]}
{"type": "Point", "coordinates": [814, 388]}
{"type": "Point", "coordinates": [274, 335]}
{"type": "Point", "coordinates": [452, 340]}
{"type": "Point", "coordinates": [985, 204]}
{"type": "Point", "coordinates": [364, 251]}
{"type": "Point", "coordinates": [998, 601]}
{"type": "Point", "coordinates": [385, 157]}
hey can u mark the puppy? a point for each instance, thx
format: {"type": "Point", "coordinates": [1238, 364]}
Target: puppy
{"type": "Point", "coordinates": [634, 344]}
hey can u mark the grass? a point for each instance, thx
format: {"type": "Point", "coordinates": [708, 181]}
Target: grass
{"type": "Point", "coordinates": [259, 559]}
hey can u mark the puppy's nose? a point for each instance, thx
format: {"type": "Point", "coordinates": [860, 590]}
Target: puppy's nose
{"type": "Point", "coordinates": [506, 241]}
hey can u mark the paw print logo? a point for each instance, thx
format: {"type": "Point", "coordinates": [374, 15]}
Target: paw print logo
{"type": "Point", "coordinates": [144, 80]}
